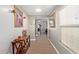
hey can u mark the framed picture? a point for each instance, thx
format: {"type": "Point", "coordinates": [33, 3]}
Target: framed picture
{"type": "Point", "coordinates": [18, 17]}
{"type": "Point", "coordinates": [52, 21]}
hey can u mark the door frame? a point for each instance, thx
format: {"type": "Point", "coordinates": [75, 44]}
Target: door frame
{"type": "Point", "coordinates": [46, 19]}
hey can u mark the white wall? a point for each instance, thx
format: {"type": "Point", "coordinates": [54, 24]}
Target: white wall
{"type": "Point", "coordinates": [69, 20]}
{"type": "Point", "coordinates": [7, 30]}
{"type": "Point", "coordinates": [31, 26]}
{"type": "Point", "coordinates": [69, 16]}
{"type": "Point", "coordinates": [55, 33]}
{"type": "Point", "coordinates": [70, 37]}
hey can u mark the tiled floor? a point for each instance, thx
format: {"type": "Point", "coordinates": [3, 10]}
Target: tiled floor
{"type": "Point", "coordinates": [41, 46]}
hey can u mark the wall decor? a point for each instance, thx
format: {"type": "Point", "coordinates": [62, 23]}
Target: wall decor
{"type": "Point", "coordinates": [52, 21]}
{"type": "Point", "coordinates": [18, 17]}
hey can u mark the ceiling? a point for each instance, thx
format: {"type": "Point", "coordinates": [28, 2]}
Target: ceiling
{"type": "Point", "coordinates": [30, 9]}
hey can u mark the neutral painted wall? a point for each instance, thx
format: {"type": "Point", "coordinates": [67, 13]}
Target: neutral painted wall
{"type": "Point", "coordinates": [69, 16]}
{"type": "Point", "coordinates": [31, 26]}
{"type": "Point", "coordinates": [70, 37]}
{"type": "Point", "coordinates": [7, 30]}
{"type": "Point", "coordinates": [69, 20]}
{"type": "Point", "coordinates": [55, 33]}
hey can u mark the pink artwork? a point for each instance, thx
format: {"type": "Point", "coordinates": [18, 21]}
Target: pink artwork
{"type": "Point", "coordinates": [18, 18]}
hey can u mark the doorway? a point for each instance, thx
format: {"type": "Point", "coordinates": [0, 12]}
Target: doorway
{"type": "Point", "coordinates": [41, 27]}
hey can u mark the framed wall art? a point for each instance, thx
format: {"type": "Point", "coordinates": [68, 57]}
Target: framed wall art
{"type": "Point", "coordinates": [52, 21]}
{"type": "Point", "coordinates": [18, 17]}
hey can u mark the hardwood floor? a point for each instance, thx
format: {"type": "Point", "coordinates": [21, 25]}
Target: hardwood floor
{"type": "Point", "coordinates": [41, 46]}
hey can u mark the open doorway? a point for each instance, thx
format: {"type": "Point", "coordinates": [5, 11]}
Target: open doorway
{"type": "Point", "coordinates": [41, 27]}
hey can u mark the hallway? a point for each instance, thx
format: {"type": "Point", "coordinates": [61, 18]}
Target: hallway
{"type": "Point", "coordinates": [41, 46]}
{"type": "Point", "coordinates": [25, 24]}
{"type": "Point", "coordinates": [39, 29]}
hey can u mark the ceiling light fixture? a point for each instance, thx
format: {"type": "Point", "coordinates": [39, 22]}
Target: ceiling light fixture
{"type": "Point", "coordinates": [38, 10]}
{"type": "Point", "coordinates": [51, 22]}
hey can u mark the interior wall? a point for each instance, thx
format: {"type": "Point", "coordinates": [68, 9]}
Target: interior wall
{"type": "Point", "coordinates": [31, 26]}
{"type": "Point", "coordinates": [69, 16]}
{"type": "Point", "coordinates": [69, 21]}
{"type": "Point", "coordinates": [7, 31]}
{"type": "Point", "coordinates": [55, 33]}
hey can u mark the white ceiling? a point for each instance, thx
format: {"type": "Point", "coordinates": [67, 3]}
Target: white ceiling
{"type": "Point", "coordinates": [30, 9]}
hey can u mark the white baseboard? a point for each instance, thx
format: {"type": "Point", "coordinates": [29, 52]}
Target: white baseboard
{"type": "Point", "coordinates": [54, 47]}
{"type": "Point", "coordinates": [32, 39]}
{"type": "Point", "coordinates": [65, 47]}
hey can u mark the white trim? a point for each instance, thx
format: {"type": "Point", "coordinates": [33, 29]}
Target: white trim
{"type": "Point", "coordinates": [54, 46]}
{"type": "Point", "coordinates": [32, 39]}
{"type": "Point", "coordinates": [65, 47]}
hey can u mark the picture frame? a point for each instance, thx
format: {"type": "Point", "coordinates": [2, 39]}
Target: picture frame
{"type": "Point", "coordinates": [18, 17]}
{"type": "Point", "coordinates": [52, 21]}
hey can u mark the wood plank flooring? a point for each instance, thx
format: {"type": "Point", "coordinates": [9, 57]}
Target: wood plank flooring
{"type": "Point", "coordinates": [41, 46]}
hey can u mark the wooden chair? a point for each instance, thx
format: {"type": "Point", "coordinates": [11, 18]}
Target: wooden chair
{"type": "Point", "coordinates": [17, 47]}
{"type": "Point", "coordinates": [21, 45]}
